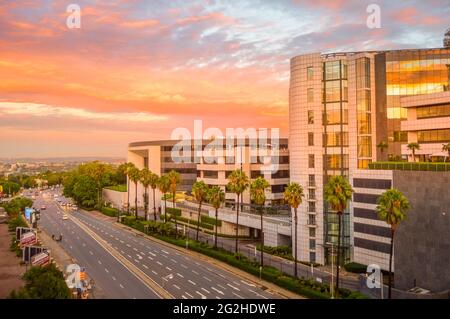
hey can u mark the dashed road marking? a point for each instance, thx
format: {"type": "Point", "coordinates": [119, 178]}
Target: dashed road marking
{"type": "Point", "coordinates": [190, 281]}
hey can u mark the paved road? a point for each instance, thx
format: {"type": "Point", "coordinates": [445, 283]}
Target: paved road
{"type": "Point", "coordinates": [108, 273]}
{"type": "Point", "coordinates": [179, 273]}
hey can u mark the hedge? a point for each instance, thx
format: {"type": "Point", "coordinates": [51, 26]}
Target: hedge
{"type": "Point", "coordinates": [193, 222]}
{"type": "Point", "coordinates": [305, 287]}
{"type": "Point", "coordinates": [210, 220]}
{"type": "Point", "coordinates": [355, 268]}
{"type": "Point", "coordinates": [411, 166]}
{"type": "Point", "coordinates": [173, 211]}
{"type": "Point", "coordinates": [108, 211]}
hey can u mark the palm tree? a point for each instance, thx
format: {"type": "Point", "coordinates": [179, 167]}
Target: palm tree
{"type": "Point", "coordinates": [258, 194]}
{"type": "Point", "coordinates": [216, 197]}
{"type": "Point", "coordinates": [338, 192]}
{"type": "Point", "coordinates": [126, 170]}
{"type": "Point", "coordinates": [391, 208]}
{"type": "Point", "coordinates": [145, 175]}
{"type": "Point", "coordinates": [134, 175]}
{"type": "Point", "coordinates": [382, 146]}
{"type": "Point", "coordinates": [293, 194]}
{"type": "Point", "coordinates": [237, 183]}
{"type": "Point", "coordinates": [174, 181]}
{"type": "Point", "coordinates": [413, 147]}
{"type": "Point", "coordinates": [164, 187]}
{"type": "Point", "coordinates": [154, 178]}
{"type": "Point", "coordinates": [446, 148]}
{"type": "Point", "coordinates": [200, 192]}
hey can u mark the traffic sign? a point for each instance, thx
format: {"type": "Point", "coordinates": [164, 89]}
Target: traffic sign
{"type": "Point", "coordinates": [28, 239]}
{"type": "Point", "coordinates": [41, 259]}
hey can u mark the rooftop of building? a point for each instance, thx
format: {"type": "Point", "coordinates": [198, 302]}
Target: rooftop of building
{"type": "Point", "coordinates": [281, 141]}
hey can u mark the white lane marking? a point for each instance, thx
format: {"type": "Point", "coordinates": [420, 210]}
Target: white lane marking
{"type": "Point", "coordinates": [169, 269]}
{"type": "Point", "coordinates": [152, 254]}
{"type": "Point", "coordinates": [221, 286]}
{"type": "Point", "coordinates": [217, 290]}
{"type": "Point", "coordinates": [183, 296]}
{"type": "Point", "coordinates": [258, 294]}
{"type": "Point", "coordinates": [195, 272]}
{"type": "Point", "coordinates": [235, 288]}
{"type": "Point", "coordinates": [184, 266]}
{"type": "Point", "coordinates": [154, 272]}
{"type": "Point", "coordinates": [121, 286]}
{"type": "Point", "coordinates": [107, 270]}
{"type": "Point", "coordinates": [207, 278]}
{"type": "Point", "coordinates": [139, 256]}
{"type": "Point", "coordinates": [188, 294]}
{"type": "Point", "coordinates": [207, 291]}
{"type": "Point", "coordinates": [180, 275]}
{"type": "Point", "coordinates": [159, 263]}
{"type": "Point", "coordinates": [239, 296]}
{"type": "Point", "coordinates": [176, 287]}
{"type": "Point", "coordinates": [145, 266]}
{"type": "Point", "coordinates": [122, 252]}
{"type": "Point", "coordinates": [136, 260]}
{"type": "Point", "coordinates": [92, 254]}
{"type": "Point", "coordinates": [121, 241]}
{"type": "Point", "coordinates": [129, 256]}
{"type": "Point", "coordinates": [173, 260]}
{"type": "Point", "coordinates": [164, 251]}
{"type": "Point", "coordinates": [135, 249]}
{"type": "Point", "coordinates": [99, 262]}
{"type": "Point", "coordinates": [190, 281]}
{"type": "Point", "coordinates": [113, 278]}
{"type": "Point", "coordinates": [202, 295]}
{"type": "Point", "coordinates": [116, 238]}
{"type": "Point", "coordinates": [248, 283]}
{"type": "Point", "coordinates": [149, 257]}
{"type": "Point", "coordinates": [128, 245]}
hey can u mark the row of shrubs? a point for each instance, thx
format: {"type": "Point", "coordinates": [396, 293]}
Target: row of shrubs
{"type": "Point", "coordinates": [305, 287]}
{"type": "Point", "coordinates": [109, 211]}
{"type": "Point", "coordinates": [280, 251]}
{"type": "Point", "coordinates": [190, 221]}
{"type": "Point", "coordinates": [210, 220]}
{"type": "Point", "coordinates": [173, 211]}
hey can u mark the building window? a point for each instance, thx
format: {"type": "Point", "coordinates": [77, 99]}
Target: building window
{"type": "Point", "coordinates": [432, 111]}
{"type": "Point", "coordinates": [335, 139]}
{"type": "Point", "coordinates": [364, 146]}
{"type": "Point", "coordinates": [310, 95]}
{"type": "Point", "coordinates": [333, 116]}
{"type": "Point", "coordinates": [210, 174]}
{"type": "Point", "coordinates": [312, 180]}
{"type": "Point", "coordinates": [278, 188]}
{"type": "Point", "coordinates": [400, 136]}
{"type": "Point", "coordinates": [312, 244]}
{"type": "Point", "coordinates": [433, 136]}
{"type": "Point", "coordinates": [364, 163]}
{"type": "Point", "coordinates": [336, 161]}
{"type": "Point", "coordinates": [309, 73]}
{"type": "Point", "coordinates": [312, 257]}
{"type": "Point", "coordinates": [311, 161]}
{"type": "Point", "coordinates": [281, 174]}
{"type": "Point", "coordinates": [311, 219]}
{"type": "Point", "coordinates": [312, 232]}
{"type": "Point", "coordinates": [312, 194]}
{"type": "Point", "coordinates": [310, 139]}
{"type": "Point", "coordinates": [312, 207]}
{"type": "Point", "coordinates": [310, 117]}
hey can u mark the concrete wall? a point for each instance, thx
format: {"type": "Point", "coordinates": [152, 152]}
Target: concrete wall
{"type": "Point", "coordinates": [117, 199]}
{"type": "Point", "coordinates": [422, 243]}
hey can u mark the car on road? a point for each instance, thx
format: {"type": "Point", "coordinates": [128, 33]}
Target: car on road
{"type": "Point", "coordinates": [43, 208]}
{"type": "Point", "coordinates": [65, 217]}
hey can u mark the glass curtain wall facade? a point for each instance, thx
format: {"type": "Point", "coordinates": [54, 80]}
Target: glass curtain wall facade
{"type": "Point", "coordinates": [411, 72]}
{"type": "Point", "coordinates": [335, 143]}
{"type": "Point", "coordinates": [364, 112]}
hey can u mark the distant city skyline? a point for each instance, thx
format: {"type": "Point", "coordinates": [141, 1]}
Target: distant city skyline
{"type": "Point", "coordinates": [135, 71]}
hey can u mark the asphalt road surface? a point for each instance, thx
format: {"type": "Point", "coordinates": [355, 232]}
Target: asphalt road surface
{"type": "Point", "coordinates": [177, 272]}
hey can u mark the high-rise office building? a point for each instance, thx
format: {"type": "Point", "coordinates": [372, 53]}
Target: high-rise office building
{"type": "Point", "coordinates": [341, 107]}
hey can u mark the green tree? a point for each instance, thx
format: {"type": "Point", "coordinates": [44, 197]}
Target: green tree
{"type": "Point", "coordinates": [200, 192]}
{"type": "Point", "coordinates": [175, 180]}
{"type": "Point", "coordinates": [413, 147]}
{"type": "Point", "coordinates": [238, 182]}
{"type": "Point", "coordinates": [84, 191]}
{"type": "Point", "coordinates": [258, 194]}
{"type": "Point", "coordinates": [338, 192]}
{"type": "Point", "coordinates": [446, 148]}
{"type": "Point", "coordinates": [216, 197]}
{"type": "Point", "coordinates": [10, 187]}
{"type": "Point", "coordinates": [43, 283]}
{"type": "Point", "coordinates": [145, 175]}
{"type": "Point", "coordinates": [382, 146]}
{"type": "Point", "coordinates": [154, 178]}
{"type": "Point", "coordinates": [164, 187]}
{"type": "Point", "coordinates": [134, 176]}
{"type": "Point", "coordinates": [293, 195]}
{"type": "Point", "coordinates": [392, 207]}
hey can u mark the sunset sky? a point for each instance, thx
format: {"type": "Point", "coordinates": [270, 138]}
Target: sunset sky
{"type": "Point", "coordinates": [136, 70]}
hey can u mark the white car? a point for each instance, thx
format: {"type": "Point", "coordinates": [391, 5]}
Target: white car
{"type": "Point", "coordinates": [65, 217]}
